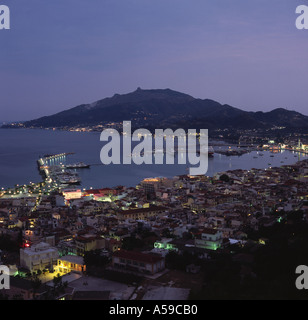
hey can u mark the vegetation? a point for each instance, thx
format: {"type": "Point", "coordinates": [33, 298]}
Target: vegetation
{"type": "Point", "coordinates": [94, 258]}
{"type": "Point", "coordinates": [7, 244]}
{"type": "Point", "coordinates": [260, 271]}
{"type": "Point", "coordinates": [224, 178]}
{"type": "Point", "coordinates": [58, 289]}
{"type": "Point", "coordinates": [131, 243]}
{"type": "Point", "coordinates": [177, 261]}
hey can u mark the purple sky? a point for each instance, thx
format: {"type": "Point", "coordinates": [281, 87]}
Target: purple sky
{"type": "Point", "coordinates": [62, 53]}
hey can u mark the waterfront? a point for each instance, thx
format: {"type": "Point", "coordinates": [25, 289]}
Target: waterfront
{"type": "Point", "coordinates": [20, 149]}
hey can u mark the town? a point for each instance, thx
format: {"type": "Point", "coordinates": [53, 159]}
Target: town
{"type": "Point", "coordinates": [166, 238]}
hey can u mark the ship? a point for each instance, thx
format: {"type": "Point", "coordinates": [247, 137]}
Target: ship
{"type": "Point", "coordinates": [79, 165]}
{"type": "Point", "coordinates": [69, 180]}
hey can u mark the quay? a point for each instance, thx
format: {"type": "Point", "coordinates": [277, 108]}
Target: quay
{"type": "Point", "coordinates": [55, 172]}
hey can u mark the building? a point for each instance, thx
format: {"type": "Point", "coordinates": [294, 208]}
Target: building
{"type": "Point", "coordinates": [141, 213]}
{"type": "Point", "coordinates": [101, 194]}
{"type": "Point", "coordinates": [112, 244]}
{"type": "Point", "coordinates": [70, 194]}
{"type": "Point", "coordinates": [38, 257]}
{"type": "Point", "coordinates": [23, 289]}
{"type": "Point", "coordinates": [67, 264]}
{"type": "Point", "coordinates": [211, 239]}
{"type": "Point", "coordinates": [150, 185]}
{"type": "Point", "coordinates": [89, 242]}
{"type": "Point", "coordinates": [137, 262]}
{"type": "Point", "coordinates": [165, 244]}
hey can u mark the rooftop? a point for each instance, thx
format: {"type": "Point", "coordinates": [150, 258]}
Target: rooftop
{"type": "Point", "coordinates": [73, 259]}
{"type": "Point", "coordinates": [138, 256]}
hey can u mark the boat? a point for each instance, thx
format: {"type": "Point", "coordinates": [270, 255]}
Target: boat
{"type": "Point", "coordinates": [69, 180]}
{"type": "Point", "coordinates": [79, 165]}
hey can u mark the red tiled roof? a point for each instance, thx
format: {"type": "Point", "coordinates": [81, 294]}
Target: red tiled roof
{"type": "Point", "coordinates": [100, 191]}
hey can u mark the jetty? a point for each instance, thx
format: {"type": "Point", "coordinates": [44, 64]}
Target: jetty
{"type": "Point", "coordinates": [56, 173]}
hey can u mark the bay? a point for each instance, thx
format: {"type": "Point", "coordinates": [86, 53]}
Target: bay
{"type": "Point", "coordinates": [21, 148]}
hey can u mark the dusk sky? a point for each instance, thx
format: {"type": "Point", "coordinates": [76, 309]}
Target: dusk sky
{"type": "Point", "coordinates": [62, 53]}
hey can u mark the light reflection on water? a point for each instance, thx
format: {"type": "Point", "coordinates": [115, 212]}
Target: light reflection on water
{"type": "Point", "coordinates": [20, 149]}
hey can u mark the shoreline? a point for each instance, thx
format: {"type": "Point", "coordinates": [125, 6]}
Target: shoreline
{"type": "Point", "coordinates": [43, 183]}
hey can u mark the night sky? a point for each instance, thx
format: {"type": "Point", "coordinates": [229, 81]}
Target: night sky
{"type": "Point", "coordinates": [62, 53]}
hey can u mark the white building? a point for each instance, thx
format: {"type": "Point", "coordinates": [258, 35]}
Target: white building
{"type": "Point", "coordinates": [138, 262]}
{"type": "Point", "coordinates": [70, 263]}
{"type": "Point", "coordinates": [211, 239]}
{"type": "Point", "coordinates": [38, 257]}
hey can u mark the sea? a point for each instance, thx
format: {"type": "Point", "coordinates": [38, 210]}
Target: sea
{"type": "Point", "coordinates": [21, 148]}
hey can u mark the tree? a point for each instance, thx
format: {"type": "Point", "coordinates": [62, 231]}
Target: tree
{"type": "Point", "coordinates": [178, 261]}
{"type": "Point", "coordinates": [224, 178]}
{"type": "Point", "coordinates": [94, 258]}
{"type": "Point", "coordinates": [131, 243]}
{"type": "Point", "coordinates": [58, 286]}
{"type": "Point", "coordinates": [36, 284]}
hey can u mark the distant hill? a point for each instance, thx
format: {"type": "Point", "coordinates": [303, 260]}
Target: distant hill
{"type": "Point", "coordinates": [162, 108]}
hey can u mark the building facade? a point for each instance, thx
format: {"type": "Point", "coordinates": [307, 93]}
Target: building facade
{"type": "Point", "coordinates": [38, 257]}
{"type": "Point", "coordinates": [67, 264]}
{"type": "Point", "coordinates": [211, 239]}
{"type": "Point", "coordinates": [137, 262]}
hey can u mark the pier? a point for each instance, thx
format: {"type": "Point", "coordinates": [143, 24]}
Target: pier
{"type": "Point", "coordinates": [55, 172]}
{"type": "Point", "coordinates": [54, 158]}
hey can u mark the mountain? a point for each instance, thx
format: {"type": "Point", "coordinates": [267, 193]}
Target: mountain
{"type": "Point", "coordinates": [162, 108]}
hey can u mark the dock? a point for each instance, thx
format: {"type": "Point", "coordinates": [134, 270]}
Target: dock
{"type": "Point", "coordinates": [55, 172]}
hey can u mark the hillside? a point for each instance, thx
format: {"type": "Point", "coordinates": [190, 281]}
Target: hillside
{"type": "Point", "coordinates": [162, 108]}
